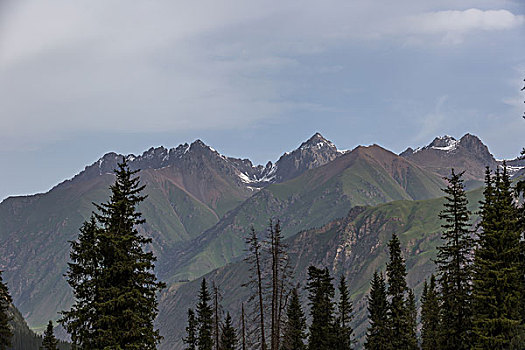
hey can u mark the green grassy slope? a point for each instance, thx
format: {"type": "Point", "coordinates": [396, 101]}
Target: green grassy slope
{"type": "Point", "coordinates": [35, 230]}
{"type": "Point", "coordinates": [355, 246]}
{"type": "Point", "coordinates": [365, 176]}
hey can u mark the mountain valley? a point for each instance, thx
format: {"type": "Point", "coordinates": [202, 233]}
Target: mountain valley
{"type": "Point", "coordinates": [337, 209]}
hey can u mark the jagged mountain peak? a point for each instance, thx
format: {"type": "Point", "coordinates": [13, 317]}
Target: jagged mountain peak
{"type": "Point", "coordinates": [317, 141]}
{"type": "Point", "coordinates": [468, 153]}
{"type": "Point", "coordinates": [312, 153]}
{"type": "Point", "coordinates": [444, 143]}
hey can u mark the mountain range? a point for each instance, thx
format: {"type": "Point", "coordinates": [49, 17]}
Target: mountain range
{"type": "Point", "coordinates": [200, 205]}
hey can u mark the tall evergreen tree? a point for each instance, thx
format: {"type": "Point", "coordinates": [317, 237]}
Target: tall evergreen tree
{"type": "Point", "coordinates": [204, 319]}
{"type": "Point", "coordinates": [320, 294]}
{"type": "Point", "coordinates": [49, 342]}
{"type": "Point", "coordinates": [412, 320]}
{"type": "Point", "coordinates": [113, 281]}
{"type": "Point", "coordinates": [430, 316]}
{"type": "Point", "coordinates": [6, 334]}
{"type": "Point", "coordinates": [243, 328]}
{"type": "Point", "coordinates": [191, 332]}
{"type": "Point", "coordinates": [228, 336]}
{"type": "Point", "coordinates": [397, 289]}
{"type": "Point", "coordinates": [498, 276]}
{"type": "Point", "coordinates": [454, 262]}
{"type": "Point", "coordinates": [82, 275]}
{"type": "Point", "coordinates": [345, 332]}
{"type": "Point", "coordinates": [520, 192]}
{"type": "Point", "coordinates": [378, 334]}
{"type": "Point", "coordinates": [295, 326]}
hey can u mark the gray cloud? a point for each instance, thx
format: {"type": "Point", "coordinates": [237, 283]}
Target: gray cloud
{"type": "Point", "coordinates": [204, 65]}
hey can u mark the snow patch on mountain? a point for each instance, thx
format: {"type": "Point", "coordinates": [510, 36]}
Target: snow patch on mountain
{"type": "Point", "coordinates": [450, 147]}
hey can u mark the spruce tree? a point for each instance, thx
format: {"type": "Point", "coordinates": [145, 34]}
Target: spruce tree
{"type": "Point", "coordinates": [6, 334]}
{"type": "Point", "coordinates": [295, 325]}
{"type": "Point", "coordinates": [498, 276]}
{"type": "Point", "coordinates": [430, 316]}
{"type": "Point", "coordinates": [112, 276]}
{"type": "Point", "coordinates": [49, 342]}
{"type": "Point", "coordinates": [412, 320]}
{"type": "Point", "coordinates": [320, 294]}
{"type": "Point", "coordinates": [82, 275]}
{"type": "Point", "coordinates": [191, 332]}
{"type": "Point", "coordinates": [228, 336]}
{"type": "Point", "coordinates": [243, 328]}
{"type": "Point", "coordinates": [521, 223]}
{"type": "Point", "coordinates": [345, 332]}
{"type": "Point", "coordinates": [204, 319]}
{"type": "Point", "coordinates": [378, 333]}
{"type": "Point", "coordinates": [397, 288]}
{"type": "Point", "coordinates": [454, 262]}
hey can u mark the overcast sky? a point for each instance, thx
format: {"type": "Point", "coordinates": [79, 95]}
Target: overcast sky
{"type": "Point", "coordinates": [250, 78]}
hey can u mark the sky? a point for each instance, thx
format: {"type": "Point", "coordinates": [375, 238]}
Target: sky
{"type": "Point", "coordinates": [252, 79]}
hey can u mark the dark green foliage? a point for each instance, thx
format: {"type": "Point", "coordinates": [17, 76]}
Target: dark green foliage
{"type": "Point", "coordinates": [111, 275]}
{"type": "Point", "coordinates": [204, 319]}
{"type": "Point", "coordinates": [191, 332]}
{"type": "Point", "coordinates": [430, 316]}
{"type": "Point", "coordinates": [378, 334]}
{"type": "Point", "coordinates": [82, 276]}
{"type": "Point", "coordinates": [49, 342]}
{"type": "Point", "coordinates": [412, 320]}
{"type": "Point", "coordinates": [6, 333]}
{"type": "Point", "coordinates": [295, 326]}
{"type": "Point", "coordinates": [454, 262]}
{"type": "Point", "coordinates": [345, 333]}
{"type": "Point", "coordinates": [228, 336]}
{"type": "Point", "coordinates": [397, 288]}
{"type": "Point", "coordinates": [498, 274]}
{"type": "Point", "coordinates": [520, 191]}
{"type": "Point", "coordinates": [320, 294]}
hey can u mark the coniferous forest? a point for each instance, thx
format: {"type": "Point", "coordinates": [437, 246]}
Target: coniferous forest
{"type": "Point", "coordinates": [475, 300]}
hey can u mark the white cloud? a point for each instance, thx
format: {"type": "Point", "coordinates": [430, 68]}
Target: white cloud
{"type": "Point", "coordinates": [453, 25]}
{"type": "Point", "coordinates": [468, 20]}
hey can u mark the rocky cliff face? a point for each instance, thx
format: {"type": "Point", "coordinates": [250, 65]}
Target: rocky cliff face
{"type": "Point", "coordinates": [312, 153]}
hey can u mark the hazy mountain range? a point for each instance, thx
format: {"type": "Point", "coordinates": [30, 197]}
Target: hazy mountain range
{"type": "Point", "coordinates": [200, 204]}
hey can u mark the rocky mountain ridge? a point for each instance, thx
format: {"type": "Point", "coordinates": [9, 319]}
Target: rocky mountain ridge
{"type": "Point", "coordinates": [314, 152]}
{"type": "Point", "coordinates": [467, 154]}
{"type": "Point", "coordinates": [200, 202]}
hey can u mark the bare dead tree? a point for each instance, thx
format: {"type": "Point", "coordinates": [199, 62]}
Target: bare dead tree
{"type": "Point", "coordinates": [217, 312]}
{"type": "Point", "coordinates": [256, 283]}
{"type": "Point", "coordinates": [279, 280]}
